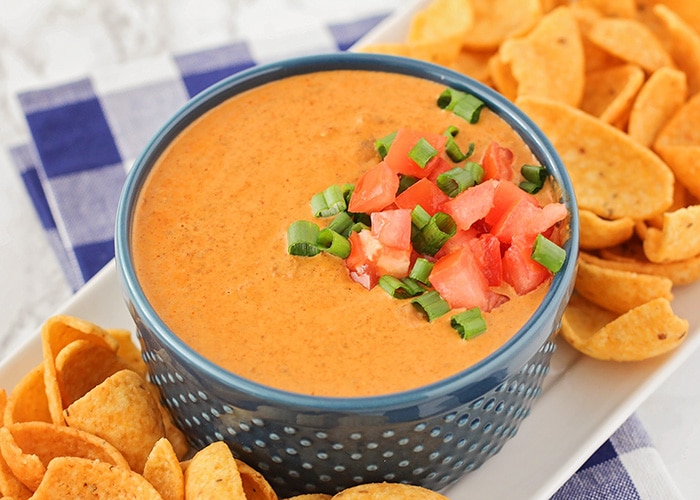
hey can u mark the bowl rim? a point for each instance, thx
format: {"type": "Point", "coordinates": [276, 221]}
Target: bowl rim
{"type": "Point", "coordinates": [491, 366]}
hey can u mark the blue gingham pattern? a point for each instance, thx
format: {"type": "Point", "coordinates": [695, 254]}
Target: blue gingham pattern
{"type": "Point", "coordinates": [86, 133]}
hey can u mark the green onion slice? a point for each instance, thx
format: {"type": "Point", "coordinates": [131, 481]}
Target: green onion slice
{"type": "Point", "coordinates": [422, 152]}
{"type": "Point", "coordinates": [333, 243]}
{"type": "Point", "coordinates": [469, 323]}
{"type": "Point", "coordinates": [383, 144]}
{"type": "Point", "coordinates": [462, 104]}
{"type": "Point", "coordinates": [456, 180]}
{"type": "Point", "coordinates": [548, 253]}
{"type": "Point", "coordinates": [302, 238]}
{"type": "Point", "coordinates": [421, 270]}
{"type": "Point", "coordinates": [341, 224]}
{"type": "Point", "coordinates": [400, 288]}
{"type": "Point", "coordinates": [329, 202]}
{"type": "Point", "coordinates": [419, 217]}
{"type": "Point", "coordinates": [429, 239]}
{"type": "Point", "coordinates": [405, 182]}
{"type": "Point", "coordinates": [535, 176]}
{"type": "Point", "coordinates": [431, 305]}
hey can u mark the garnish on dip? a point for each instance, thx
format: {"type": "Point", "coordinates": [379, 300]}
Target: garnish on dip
{"type": "Point", "coordinates": [429, 224]}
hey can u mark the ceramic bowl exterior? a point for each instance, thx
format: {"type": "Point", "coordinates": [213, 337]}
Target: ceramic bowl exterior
{"type": "Point", "coordinates": [304, 444]}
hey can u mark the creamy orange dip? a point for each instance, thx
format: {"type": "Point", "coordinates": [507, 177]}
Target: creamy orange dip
{"type": "Point", "coordinates": [209, 239]}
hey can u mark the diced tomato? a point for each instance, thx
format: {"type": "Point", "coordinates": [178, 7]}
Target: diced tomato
{"type": "Point", "coordinates": [442, 165]}
{"type": "Point", "coordinates": [472, 204]}
{"type": "Point", "coordinates": [397, 157]}
{"type": "Point", "coordinates": [487, 250]}
{"type": "Point", "coordinates": [457, 277]}
{"type": "Point", "coordinates": [525, 218]}
{"type": "Point", "coordinates": [369, 259]}
{"type": "Point", "coordinates": [497, 162]}
{"type": "Point", "coordinates": [460, 239]}
{"type": "Point", "coordinates": [519, 270]}
{"type": "Point", "coordinates": [424, 193]}
{"type": "Point", "coordinates": [506, 196]}
{"type": "Point", "coordinates": [392, 228]}
{"type": "Point", "coordinates": [374, 190]}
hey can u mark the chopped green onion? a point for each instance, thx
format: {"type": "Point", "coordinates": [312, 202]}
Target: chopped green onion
{"type": "Point", "coordinates": [347, 192]}
{"type": "Point", "coordinates": [452, 148]}
{"type": "Point", "coordinates": [419, 217]}
{"type": "Point", "coordinates": [534, 175]}
{"type": "Point", "coordinates": [529, 187]}
{"type": "Point", "coordinates": [422, 152]}
{"type": "Point", "coordinates": [455, 154]}
{"type": "Point", "coordinates": [358, 226]}
{"type": "Point", "coordinates": [456, 180]}
{"type": "Point", "coordinates": [329, 202]}
{"type": "Point", "coordinates": [462, 104]}
{"type": "Point", "coordinates": [431, 237]}
{"type": "Point", "coordinates": [431, 304]}
{"type": "Point", "coordinates": [405, 182]}
{"type": "Point", "coordinates": [548, 253]}
{"type": "Point", "coordinates": [421, 270]}
{"type": "Point", "coordinates": [400, 288]}
{"type": "Point", "coordinates": [333, 243]}
{"type": "Point", "coordinates": [383, 144]}
{"type": "Point", "coordinates": [302, 238]}
{"type": "Point", "coordinates": [341, 224]}
{"type": "Point", "coordinates": [469, 324]}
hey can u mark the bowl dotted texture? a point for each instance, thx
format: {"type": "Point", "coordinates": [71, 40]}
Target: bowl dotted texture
{"type": "Point", "coordinates": [429, 436]}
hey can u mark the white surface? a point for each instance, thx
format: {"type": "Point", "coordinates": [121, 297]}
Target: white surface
{"type": "Point", "coordinates": [44, 40]}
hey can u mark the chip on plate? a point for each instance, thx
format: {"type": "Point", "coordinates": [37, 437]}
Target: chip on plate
{"type": "Point", "coordinates": [163, 471]}
{"type": "Point", "coordinates": [644, 332]}
{"type": "Point", "coordinates": [213, 473]}
{"type": "Point", "coordinates": [56, 333]}
{"type": "Point", "coordinates": [631, 41]}
{"type": "Point", "coordinates": [28, 402]}
{"type": "Point", "coordinates": [678, 144]}
{"type": "Point", "coordinates": [597, 232]}
{"type": "Point", "coordinates": [548, 61]}
{"type": "Point", "coordinates": [122, 411]}
{"type": "Point", "coordinates": [630, 256]}
{"type": "Point", "coordinates": [384, 491]}
{"type": "Point", "coordinates": [684, 44]}
{"type": "Point", "coordinates": [610, 92]}
{"type": "Point", "coordinates": [73, 477]}
{"type": "Point", "coordinates": [617, 290]}
{"type": "Point", "coordinates": [496, 20]}
{"type": "Point", "coordinates": [663, 93]}
{"type": "Point", "coordinates": [613, 176]}
{"type": "Point", "coordinates": [678, 239]}
{"type": "Point", "coordinates": [446, 21]}
{"type": "Point", "coordinates": [255, 485]}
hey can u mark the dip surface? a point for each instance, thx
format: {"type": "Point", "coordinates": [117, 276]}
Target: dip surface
{"type": "Point", "coordinates": [209, 239]}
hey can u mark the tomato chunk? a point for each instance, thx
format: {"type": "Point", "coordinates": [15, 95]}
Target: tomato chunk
{"type": "Point", "coordinates": [424, 193]}
{"type": "Point", "coordinates": [392, 228]}
{"type": "Point", "coordinates": [519, 270]}
{"type": "Point", "coordinates": [369, 259]}
{"type": "Point", "coordinates": [374, 190]}
{"type": "Point", "coordinates": [459, 280]}
{"type": "Point", "coordinates": [487, 250]}
{"type": "Point", "coordinates": [526, 219]}
{"type": "Point", "coordinates": [505, 197]}
{"type": "Point", "coordinates": [399, 161]}
{"type": "Point", "coordinates": [497, 162]}
{"type": "Point", "coordinates": [472, 204]}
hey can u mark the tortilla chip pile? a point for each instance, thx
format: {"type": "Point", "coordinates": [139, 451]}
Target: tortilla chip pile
{"type": "Point", "coordinates": [614, 85]}
{"type": "Point", "coordinates": [86, 423]}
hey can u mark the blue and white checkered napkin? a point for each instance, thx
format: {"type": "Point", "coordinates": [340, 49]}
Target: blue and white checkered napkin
{"type": "Point", "coordinates": [86, 133]}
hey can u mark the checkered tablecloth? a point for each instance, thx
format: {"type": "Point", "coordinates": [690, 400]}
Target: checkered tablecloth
{"type": "Point", "coordinates": [83, 135]}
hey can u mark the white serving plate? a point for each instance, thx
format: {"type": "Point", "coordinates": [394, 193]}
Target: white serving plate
{"type": "Point", "coordinates": [583, 402]}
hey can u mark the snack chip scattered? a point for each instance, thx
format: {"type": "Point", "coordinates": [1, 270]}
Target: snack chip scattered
{"type": "Point", "coordinates": [614, 85]}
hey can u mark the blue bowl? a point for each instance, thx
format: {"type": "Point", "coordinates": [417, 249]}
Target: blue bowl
{"type": "Point", "coordinates": [429, 436]}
